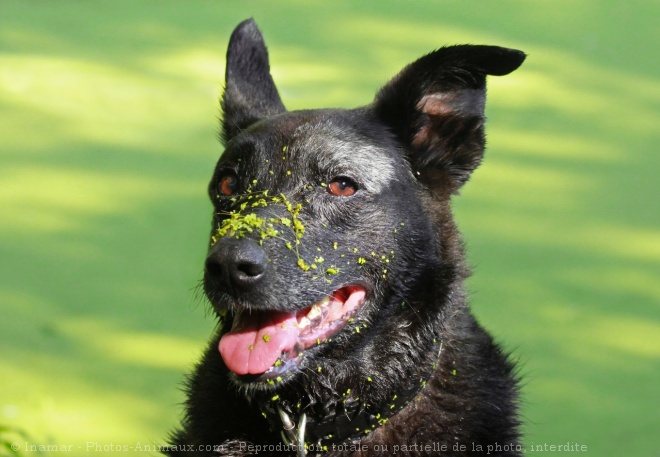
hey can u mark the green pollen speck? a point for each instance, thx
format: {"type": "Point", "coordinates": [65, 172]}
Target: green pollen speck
{"type": "Point", "coordinates": [266, 338]}
{"type": "Point", "coordinates": [250, 347]}
{"type": "Point", "coordinates": [278, 379]}
{"type": "Point", "coordinates": [332, 271]}
{"type": "Point", "coordinates": [284, 148]}
{"type": "Point", "coordinates": [288, 172]}
{"type": "Point", "coordinates": [319, 369]}
{"type": "Point", "coordinates": [361, 260]}
{"type": "Point", "coordinates": [275, 398]}
{"type": "Point", "coordinates": [334, 245]}
{"type": "Point", "coordinates": [369, 379]}
{"type": "Point", "coordinates": [453, 372]}
{"type": "Point", "coordinates": [278, 362]}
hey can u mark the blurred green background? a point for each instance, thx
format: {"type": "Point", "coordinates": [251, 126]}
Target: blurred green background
{"type": "Point", "coordinates": [108, 125]}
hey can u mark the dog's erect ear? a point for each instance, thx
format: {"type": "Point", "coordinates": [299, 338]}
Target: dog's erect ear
{"type": "Point", "coordinates": [250, 93]}
{"type": "Point", "coordinates": [435, 106]}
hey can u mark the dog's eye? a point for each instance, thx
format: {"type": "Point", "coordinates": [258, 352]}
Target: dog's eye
{"type": "Point", "coordinates": [342, 187]}
{"type": "Point", "coordinates": [228, 184]}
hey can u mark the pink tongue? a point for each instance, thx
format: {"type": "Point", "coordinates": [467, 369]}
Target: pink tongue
{"type": "Point", "coordinates": [256, 342]}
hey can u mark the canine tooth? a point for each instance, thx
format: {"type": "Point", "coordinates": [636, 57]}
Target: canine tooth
{"type": "Point", "coordinates": [304, 322]}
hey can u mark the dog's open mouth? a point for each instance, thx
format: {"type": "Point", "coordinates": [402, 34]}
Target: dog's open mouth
{"type": "Point", "coordinates": [263, 341]}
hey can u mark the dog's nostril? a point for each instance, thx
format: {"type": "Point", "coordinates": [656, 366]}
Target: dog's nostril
{"type": "Point", "coordinates": [214, 267]}
{"type": "Point", "coordinates": [250, 269]}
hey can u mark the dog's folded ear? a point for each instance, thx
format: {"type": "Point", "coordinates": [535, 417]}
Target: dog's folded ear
{"type": "Point", "coordinates": [435, 106]}
{"type": "Point", "coordinates": [250, 92]}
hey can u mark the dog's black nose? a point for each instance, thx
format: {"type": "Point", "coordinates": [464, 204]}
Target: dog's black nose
{"type": "Point", "coordinates": [236, 264]}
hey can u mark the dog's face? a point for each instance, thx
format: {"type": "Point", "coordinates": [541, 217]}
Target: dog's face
{"type": "Point", "coordinates": [331, 228]}
{"type": "Point", "coordinates": [310, 208]}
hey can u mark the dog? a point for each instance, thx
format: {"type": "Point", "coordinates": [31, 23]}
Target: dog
{"type": "Point", "coordinates": [336, 272]}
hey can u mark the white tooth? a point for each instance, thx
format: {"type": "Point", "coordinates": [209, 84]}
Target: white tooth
{"type": "Point", "coordinates": [304, 322]}
{"type": "Point", "coordinates": [314, 312]}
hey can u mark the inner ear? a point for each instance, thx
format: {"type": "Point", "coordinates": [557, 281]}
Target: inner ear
{"type": "Point", "coordinates": [442, 106]}
{"type": "Point", "coordinates": [466, 102]}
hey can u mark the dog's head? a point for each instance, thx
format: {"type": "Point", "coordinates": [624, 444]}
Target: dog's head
{"type": "Point", "coordinates": [331, 229]}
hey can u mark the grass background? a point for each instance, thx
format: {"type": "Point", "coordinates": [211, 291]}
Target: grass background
{"type": "Point", "coordinates": [108, 123]}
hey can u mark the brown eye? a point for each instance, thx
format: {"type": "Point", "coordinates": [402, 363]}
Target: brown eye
{"type": "Point", "coordinates": [342, 187]}
{"type": "Point", "coordinates": [228, 184]}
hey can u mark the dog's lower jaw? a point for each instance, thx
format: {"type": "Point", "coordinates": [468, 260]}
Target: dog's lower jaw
{"type": "Point", "coordinates": [470, 398]}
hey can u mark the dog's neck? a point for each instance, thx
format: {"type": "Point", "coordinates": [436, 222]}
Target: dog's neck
{"type": "Point", "coordinates": [349, 420]}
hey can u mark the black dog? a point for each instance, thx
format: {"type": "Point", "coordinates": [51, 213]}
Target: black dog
{"type": "Point", "coordinates": [336, 271]}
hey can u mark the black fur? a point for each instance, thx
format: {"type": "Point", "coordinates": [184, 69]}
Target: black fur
{"type": "Point", "coordinates": [406, 154]}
